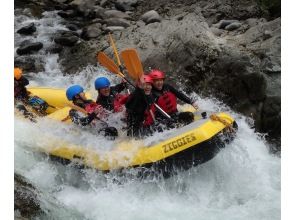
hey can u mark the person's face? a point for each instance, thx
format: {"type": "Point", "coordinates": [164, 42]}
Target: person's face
{"type": "Point", "coordinates": [147, 88]}
{"type": "Point", "coordinates": [158, 83]}
{"type": "Point", "coordinates": [105, 91]}
{"type": "Point", "coordinates": [82, 96]}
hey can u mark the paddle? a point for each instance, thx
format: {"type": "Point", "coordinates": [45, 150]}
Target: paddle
{"type": "Point", "coordinates": [115, 52]}
{"type": "Point", "coordinates": [132, 63]}
{"type": "Point", "coordinates": [105, 61]}
{"type": "Point", "coordinates": [135, 69]}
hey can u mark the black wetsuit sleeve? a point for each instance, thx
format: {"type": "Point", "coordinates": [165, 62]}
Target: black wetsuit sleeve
{"type": "Point", "coordinates": [179, 94]}
{"type": "Point", "coordinates": [119, 87]}
{"type": "Point", "coordinates": [77, 119]}
{"type": "Point", "coordinates": [136, 101]}
{"type": "Point", "coordinates": [24, 81]}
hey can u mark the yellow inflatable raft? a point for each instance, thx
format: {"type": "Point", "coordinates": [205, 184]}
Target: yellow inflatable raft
{"type": "Point", "coordinates": [182, 148]}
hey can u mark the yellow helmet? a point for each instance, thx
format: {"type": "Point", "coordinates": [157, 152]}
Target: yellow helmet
{"type": "Point", "coordinates": [17, 73]}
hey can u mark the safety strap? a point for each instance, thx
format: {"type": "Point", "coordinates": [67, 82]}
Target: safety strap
{"type": "Point", "coordinates": [228, 125]}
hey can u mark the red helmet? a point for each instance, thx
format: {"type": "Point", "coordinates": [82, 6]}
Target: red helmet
{"type": "Point", "coordinates": [156, 74]}
{"type": "Point", "coordinates": [147, 79]}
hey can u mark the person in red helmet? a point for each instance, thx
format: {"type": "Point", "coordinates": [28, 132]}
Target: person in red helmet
{"type": "Point", "coordinates": [140, 109]}
{"type": "Point", "coordinates": [166, 97]}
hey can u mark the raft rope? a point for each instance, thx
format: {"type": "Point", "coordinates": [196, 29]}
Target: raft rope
{"type": "Point", "coordinates": [228, 125]}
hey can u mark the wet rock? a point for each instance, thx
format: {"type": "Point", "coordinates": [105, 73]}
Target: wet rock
{"type": "Point", "coordinates": [73, 59]}
{"type": "Point", "coordinates": [125, 5]}
{"type": "Point", "coordinates": [117, 22]}
{"type": "Point", "coordinates": [25, 198]}
{"type": "Point", "coordinates": [29, 47]}
{"type": "Point", "coordinates": [67, 14]}
{"type": "Point", "coordinates": [29, 63]}
{"type": "Point", "coordinates": [216, 31]}
{"type": "Point", "coordinates": [60, 1]}
{"type": "Point", "coordinates": [98, 12]}
{"type": "Point", "coordinates": [85, 8]}
{"type": "Point", "coordinates": [224, 23]}
{"type": "Point", "coordinates": [255, 84]}
{"type": "Point", "coordinates": [113, 28]}
{"type": "Point", "coordinates": [27, 30]}
{"type": "Point", "coordinates": [151, 17]}
{"type": "Point", "coordinates": [115, 14]}
{"type": "Point", "coordinates": [264, 40]}
{"type": "Point", "coordinates": [233, 26]}
{"type": "Point", "coordinates": [72, 27]}
{"type": "Point", "coordinates": [92, 31]}
{"type": "Point", "coordinates": [103, 3]}
{"type": "Point", "coordinates": [271, 116]}
{"type": "Point", "coordinates": [54, 49]}
{"type": "Point", "coordinates": [66, 38]}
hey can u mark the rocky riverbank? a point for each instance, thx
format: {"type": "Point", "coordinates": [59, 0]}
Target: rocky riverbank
{"type": "Point", "coordinates": [228, 49]}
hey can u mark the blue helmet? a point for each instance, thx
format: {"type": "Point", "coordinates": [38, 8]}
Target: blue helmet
{"type": "Point", "coordinates": [72, 91]}
{"type": "Point", "coordinates": [101, 82]}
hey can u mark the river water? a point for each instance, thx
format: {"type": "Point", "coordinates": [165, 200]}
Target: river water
{"type": "Point", "coordinates": [241, 182]}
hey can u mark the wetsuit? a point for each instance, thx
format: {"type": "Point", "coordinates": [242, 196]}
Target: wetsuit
{"type": "Point", "coordinates": [20, 91]}
{"type": "Point", "coordinates": [112, 102]}
{"type": "Point", "coordinates": [22, 98]}
{"type": "Point", "coordinates": [138, 108]}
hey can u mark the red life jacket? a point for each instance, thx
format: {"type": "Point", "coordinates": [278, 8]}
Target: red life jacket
{"type": "Point", "coordinates": [119, 102]}
{"type": "Point", "coordinates": [168, 102]}
{"type": "Point", "coordinates": [91, 107]}
{"type": "Point", "coordinates": [148, 119]}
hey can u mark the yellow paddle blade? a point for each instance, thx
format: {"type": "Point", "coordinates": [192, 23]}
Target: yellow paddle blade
{"type": "Point", "coordinates": [105, 61]}
{"type": "Point", "coordinates": [132, 63]}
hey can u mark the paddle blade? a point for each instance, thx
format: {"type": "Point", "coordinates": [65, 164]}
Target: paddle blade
{"type": "Point", "coordinates": [132, 63]}
{"type": "Point", "coordinates": [105, 61]}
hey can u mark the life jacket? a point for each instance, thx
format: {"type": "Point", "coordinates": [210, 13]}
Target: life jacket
{"type": "Point", "coordinates": [119, 102]}
{"type": "Point", "coordinates": [38, 104]}
{"type": "Point", "coordinates": [148, 118]}
{"type": "Point", "coordinates": [20, 91]}
{"type": "Point", "coordinates": [168, 102]}
{"type": "Point", "coordinates": [92, 106]}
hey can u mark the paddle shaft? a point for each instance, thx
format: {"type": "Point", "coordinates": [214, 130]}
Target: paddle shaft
{"type": "Point", "coordinates": [83, 111]}
{"type": "Point", "coordinates": [158, 108]}
{"type": "Point", "coordinates": [108, 61]}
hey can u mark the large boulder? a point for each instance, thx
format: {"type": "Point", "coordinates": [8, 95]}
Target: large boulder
{"type": "Point", "coordinates": [66, 38]}
{"type": "Point", "coordinates": [28, 47]}
{"type": "Point", "coordinates": [92, 31]}
{"type": "Point", "coordinates": [27, 30]}
{"type": "Point", "coordinates": [74, 59]}
{"type": "Point", "coordinates": [26, 200]}
{"type": "Point", "coordinates": [151, 17]}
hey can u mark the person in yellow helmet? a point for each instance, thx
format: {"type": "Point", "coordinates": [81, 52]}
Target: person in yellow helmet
{"type": "Point", "coordinates": [22, 98]}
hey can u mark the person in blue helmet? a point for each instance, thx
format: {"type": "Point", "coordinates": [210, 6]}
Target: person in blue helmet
{"type": "Point", "coordinates": [109, 97]}
{"type": "Point", "coordinates": [88, 112]}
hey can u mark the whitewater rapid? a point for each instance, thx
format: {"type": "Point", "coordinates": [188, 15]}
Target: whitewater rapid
{"type": "Point", "coordinates": [241, 182]}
